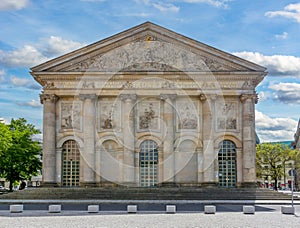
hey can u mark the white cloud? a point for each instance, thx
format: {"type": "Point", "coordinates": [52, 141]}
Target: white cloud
{"type": "Point", "coordinates": [2, 75]}
{"type": "Point", "coordinates": [19, 81]}
{"type": "Point", "coordinates": [216, 3]}
{"type": "Point", "coordinates": [13, 4]}
{"type": "Point", "coordinates": [26, 56]}
{"type": "Point", "coordinates": [56, 45]}
{"type": "Point", "coordinates": [291, 11]}
{"type": "Point", "coordinates": [32, 103]}
{"type": "Point", "coordinates": [262, 96]}
{"type": "Point", "coordinates": [288, 93]}
{"type": "Point", "coordinates": [274, 129]}
{"type": "Point", "coordinates": [24, 82]}
{"type": "Point", "coordinates": [276, 64]}
{"type": "Point", "coordinates": [166, 7]}
{"type": "Point", "coordinates": [30, 55]}
{"type": "Point", "coordinates": [282, 36]}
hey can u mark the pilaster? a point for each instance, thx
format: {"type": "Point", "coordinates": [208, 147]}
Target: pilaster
{"type": "Point", "coordinates": [208, 139]}
{"type": "Point", "coordinates": [49, 139]}
{"type": "Point", "coordinates": [249, 151]}
{"type": "Point", "coordinates": [89, 123]}
{"type": "Point", "coordinates": [169, 138]}
{"type": "Point", "coordinates": [128, 138]}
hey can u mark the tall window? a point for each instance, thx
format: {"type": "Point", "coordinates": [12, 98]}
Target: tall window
{"type": "Point", "coordinates": [70, 164]}
{"type": "Point", "coordinates": [148, 164]}
{"type": "Point", "coordinates": [227, 164]}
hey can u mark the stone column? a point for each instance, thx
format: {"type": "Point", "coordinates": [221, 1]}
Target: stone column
{"type": "Point", "coordinates": [89, 128]}
{"type": "Point", "coordinates": [200, 165]}
{"type": "Point", "coordinates": [128, 139]}
{"type": "Point", "coordinates": [208, 139]}
{"type": "Point", "coordinates": [168, 141]}
{"type": "Point", "coordinates": [49, 139]}
{"type": "Point", "coordinates": [239, 167]}
{"type": "Point", "coordinates": [249, 151]}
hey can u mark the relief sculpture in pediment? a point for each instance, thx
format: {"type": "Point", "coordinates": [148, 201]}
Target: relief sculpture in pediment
{"type": "Point", "coordinates": [150, 56]}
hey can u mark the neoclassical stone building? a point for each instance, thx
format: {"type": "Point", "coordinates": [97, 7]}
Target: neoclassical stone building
{"type": "Point", "coordinates": [148, 107]}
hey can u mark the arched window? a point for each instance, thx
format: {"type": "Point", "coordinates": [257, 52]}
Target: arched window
{"type": "Point", "coordinates": [70, 164]}
{"type": "Point", "coordinates": [148, 164]}
{"type": "Point", "coordinates": [227, 164]}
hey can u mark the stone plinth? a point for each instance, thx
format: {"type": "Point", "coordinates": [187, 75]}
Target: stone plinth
{"type": "Point", "coordinates": [209, 209]}
{"type": "Point", "coordinates": [289, 210]}
{"type": "Point", "coordinates": [54, 208]}
{"type": "Point", "coordinates": [93, 208]}
{"type": "Point", "coordinates": [248, 209]}
{"type": "Point", "coordinates": [131, 208]}
{"type": "Point", "coordinates": [171, 209]}
{"type": "Point", "coordinates": [16, 208]}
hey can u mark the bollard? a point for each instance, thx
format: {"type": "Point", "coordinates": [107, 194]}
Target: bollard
{"type": "Point", "coordinates": [248, 209]}
{"type": "Point", "coordinates": [288, 210]}
{"type": "Point", "coordinates": [93, 208]}
{"type": "Point", "coordinates": [16, 208]}
{"type": "Point", "coordinates": [131, 208]}
{"type": "Point", "coordinates": [54, 208]}
{"type": "Point", "coordinates": [209, 209]}
{"type": "Point", "coordinates": [171, 209]}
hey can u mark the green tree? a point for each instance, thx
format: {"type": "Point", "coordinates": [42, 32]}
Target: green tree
{"type": "Point", "coordinates": [295, 157]}
{"type": "Point", "coordinates": [271, 160]}
{"type": "Point", "coordinates": [21, 158]}
{"type": "Point", "coordinates": [5, 138]}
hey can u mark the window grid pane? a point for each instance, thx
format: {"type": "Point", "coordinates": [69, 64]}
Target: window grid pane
{"type": "Point", "coordinates": [227, 164]}
{"type": "Point", "coordinates": [148, 164]}
{"type": "Point", "coordinates": [70, 164]}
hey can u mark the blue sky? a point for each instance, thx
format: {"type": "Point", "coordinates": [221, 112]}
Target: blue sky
{"type": "Point", "coordinates": [265, 32]}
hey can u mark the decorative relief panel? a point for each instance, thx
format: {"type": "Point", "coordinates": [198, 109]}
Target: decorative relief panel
{"type": "Point", "coordinates": [148, 115]}
{"type": "Point", "coordinates": [71, 113]}
{"type": "Point", "coordinates": [227, 115]}
{"type": "Point", "coordinates": [187, 115]}
{"type": "Point", "coordinates": [109, 115]}
{"type": "Point", "coordinates": [149, 56]}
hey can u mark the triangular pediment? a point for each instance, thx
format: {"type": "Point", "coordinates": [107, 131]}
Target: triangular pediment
{"type": "Point", "coordinates": [147, 47]}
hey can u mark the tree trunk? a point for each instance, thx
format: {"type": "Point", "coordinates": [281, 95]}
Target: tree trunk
{"type": "Point", "coordinates": [275, 184]}
{"type": "Point", "coordinates": [10, 185]}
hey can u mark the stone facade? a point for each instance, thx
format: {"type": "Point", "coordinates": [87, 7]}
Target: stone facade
{"type": "Point", "coordinates": [148, 107]}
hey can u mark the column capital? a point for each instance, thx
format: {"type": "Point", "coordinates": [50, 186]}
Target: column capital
{"type": "Point", "coordinates": [244, 97]}
{"type": "Point", "coordinates": [206, 97]}
{"type": "Point", "coordinates": [168, 96]}
{"type": "Point", "coordinates": [87, 97]}
{"type": "Point", "coordinates": [128, 97]}
{"type": "Point", "coordinates": [48, 97]}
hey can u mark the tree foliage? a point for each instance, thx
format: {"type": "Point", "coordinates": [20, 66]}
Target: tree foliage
{"type": "Point", "coordinates": [20, 155]}
{"type": "Point", "coordinates": [5, 138]}
{"type": "Point", "coordinates": [271, 160]}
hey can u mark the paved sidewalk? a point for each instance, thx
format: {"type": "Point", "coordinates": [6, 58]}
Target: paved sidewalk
{"type": "Point", "coordinates": [265, 216]}
{"type": "Point", "coordinates": [82, 219]}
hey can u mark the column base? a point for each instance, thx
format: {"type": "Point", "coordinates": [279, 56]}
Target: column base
{"type": "Point", "coordinates": [248, 185]}
{"type": "Point", "coordinates": [88, 184]}
{"type": "Point", "coordinates": [128, 184]}
{"type": "Point", "coordinates": [49, 185]}
{"type": "Point", "coordinates": [209, 184]}
{"type": "Point", "coordinates": [168, 185]}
